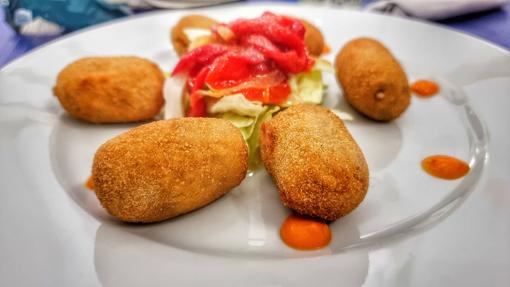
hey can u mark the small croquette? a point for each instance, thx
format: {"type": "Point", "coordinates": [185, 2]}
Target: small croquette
{"type": "Point", "coordinates": [372, 79]}
{"type": "Point", "coordinates": [111, 89]}
{"type": "Point", "coordinates": [167, 168]}
{"type": "Point", "coordinates": [317, 166]}
{"type": "Point", "coordinates": [179, 39]}
{"type": "Point", "coordinates": [313, 39]}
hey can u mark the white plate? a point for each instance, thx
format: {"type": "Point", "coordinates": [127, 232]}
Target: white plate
{"type": "Point", "coordinates": [55, 230]}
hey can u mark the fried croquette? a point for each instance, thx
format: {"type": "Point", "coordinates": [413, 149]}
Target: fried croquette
{"type": "Point", "coordinates": [179, 38]}
{"type": "Point", "coordinates": [167, 168]}
{"type": "Point", "coordinates": [373, 81]}
{"type": "Point", "coordinates": [317, 166]}
{"type": "Point", "coordinates": [111, 89]}
{"type": "Point", "coordinates": [313, 39]}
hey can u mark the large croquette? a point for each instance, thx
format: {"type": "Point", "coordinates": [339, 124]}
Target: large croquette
{"type": "Point", "coordinates": [166, 168]}
{"type": "Point", "coordinates": [111, 89]}
{"type": "Point", "coordinates": [317, 166]}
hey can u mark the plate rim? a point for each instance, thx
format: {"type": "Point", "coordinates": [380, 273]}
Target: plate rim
{"type": "Point", "coordinates": [234, 6]}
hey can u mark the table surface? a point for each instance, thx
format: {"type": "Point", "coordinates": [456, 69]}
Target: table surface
{"type": "Point", "coordinates": [493, 26]}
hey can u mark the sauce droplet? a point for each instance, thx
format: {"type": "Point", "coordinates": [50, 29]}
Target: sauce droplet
{"type": "Point", "coordinates": [90, 183]}
{"type": "Point", "coordinates": [425, 88]}
{"type": "Point", "coordinates": [445, 167]}
{"type": "Point", "coordinates": [305, 233]}
{"type": "Point", "coordinates": [326, 49]}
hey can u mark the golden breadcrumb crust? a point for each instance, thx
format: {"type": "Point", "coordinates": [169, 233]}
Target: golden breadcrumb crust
{"type": "Point", "coordinates": [111, 89]}
{"type": "Point", "coordinates": [313, 38]}
{"type": "Point", "coordinates": [166, 168]}
{"type": "Point", "coordinates": [373, 81]}
{"type": "Point", "coordinates": [317, 166]}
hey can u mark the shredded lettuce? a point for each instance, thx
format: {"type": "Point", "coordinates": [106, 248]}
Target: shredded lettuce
{"type": "Point", "coordinates": [237, 104]}
{"type": "Point", "coordinates": [308, 87]}
{"type": "Point", "coordinates": [245, 124]}
{"type": "Point", "coordinates": [253, 141]}
{"type": "Point", "coordinates": [323, 65]}
{"type": "Point", "coordinates": [250, 129]}
{"type": "Point", "coordinates": [238, 121]}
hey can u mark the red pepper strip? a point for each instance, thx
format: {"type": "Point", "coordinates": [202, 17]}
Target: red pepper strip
{"type": "Point", "coordinates": [274, 31]}
{"type": "Point", "coordinates": [199, 57]}
{"type": "Point", "coordinates": [196, 83]}
{"type": "Point", "coordinates": [262, 68]}
{"type": "Point", "coordinates": [248, 55]}
{"type": "Point", "coordinates": [272, 95]}
{"type": "Point", "coordinates": [196, 105]}
{"type": "Point", "coordinates": [233, 68]}
{"type": "Point", "coordinates": [294, 25]}
{"type": "Point", "coordinates": [289, 61]}
{"type": "Point", "coordinates": [284, 41]}
{"type": "Point", "coordinates": [227, 72]}
{"type": "Point", "coordinates": [259, 42]}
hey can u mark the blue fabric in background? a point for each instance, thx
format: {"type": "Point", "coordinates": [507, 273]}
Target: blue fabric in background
{"type": "Point", "coordinates": [493, 25]}
{"type": "Point", "coordinates": [69, 14]}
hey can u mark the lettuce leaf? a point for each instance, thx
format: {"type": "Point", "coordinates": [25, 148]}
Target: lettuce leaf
{"type": "Point", "coordinates": [306, 88]}
{"type": "Point", "coordinates": [323, 65]}
{"type": "Point", "coordinates": [250, 129]}
{"type": "Point", "coordinates": [237, 104]}
{"type": "Point", "coordinates": [245, 124]}
{"type": "Point", "coordinates": [253, 140]}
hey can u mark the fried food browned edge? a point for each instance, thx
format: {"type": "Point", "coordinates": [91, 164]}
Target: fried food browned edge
{"type": "Point", "coordinates": [111, 89]}
{"type": "Point", "coordinates": [317, 166]}
{"type": "Point", "coordinates": [166, 168]}
{"type": "Point", "coordinates": [372, 79]}
{"type": "Point", "coordinates": [179, 40]}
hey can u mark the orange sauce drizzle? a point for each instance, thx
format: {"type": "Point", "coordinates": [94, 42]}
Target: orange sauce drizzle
{"type": "Point", "coordinates": [445, 167]}
{"type": "Point", "coordinates": [425, 88]}
{"type": "Point", "coordinates": [326, 49]}
{"type": "Point", "coordinates": [305, 233]}
{"type": "Point", "coordinates": [90, 183]}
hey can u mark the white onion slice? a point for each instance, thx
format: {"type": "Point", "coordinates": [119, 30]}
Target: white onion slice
{"type": "Point", "coordinates": [172, 92]}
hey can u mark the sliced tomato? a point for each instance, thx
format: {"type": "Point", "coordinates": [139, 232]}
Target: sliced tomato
{"type": "Point", "coordinates": [197, 106]}
{"type": "Point", "coordinates": [271, 95]}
